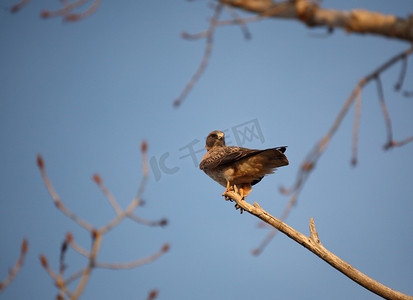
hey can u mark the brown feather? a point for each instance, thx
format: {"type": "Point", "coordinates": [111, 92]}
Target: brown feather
{"type": "Point", "coordinates": [239, 166]}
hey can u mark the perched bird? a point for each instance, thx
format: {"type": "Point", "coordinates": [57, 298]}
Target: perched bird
{"type": "Point", "coordinates": [237, 167]}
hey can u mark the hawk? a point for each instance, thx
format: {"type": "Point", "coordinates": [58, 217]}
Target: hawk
{"type": "Point", "coordinates": [237, 167]}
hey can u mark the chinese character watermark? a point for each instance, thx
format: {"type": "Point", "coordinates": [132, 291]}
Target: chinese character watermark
{"type": "Point", "coordinates": [242, 133]}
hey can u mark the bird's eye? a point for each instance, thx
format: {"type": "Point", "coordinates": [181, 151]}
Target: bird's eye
{"type": "Point", "coordinates": [213, 135]}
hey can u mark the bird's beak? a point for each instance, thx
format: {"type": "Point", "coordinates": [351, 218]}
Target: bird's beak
{"type": "Point", "coordinates": [220, 135]}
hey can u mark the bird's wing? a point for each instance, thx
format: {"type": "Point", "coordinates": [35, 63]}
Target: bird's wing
{"type": "Point", "coordinates": [221, 156]}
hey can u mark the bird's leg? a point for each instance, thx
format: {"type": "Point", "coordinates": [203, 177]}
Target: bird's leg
{"type": "Point", "coordinates": [241, 193]}
{"type": "Point", "coordinates": [226, 190]}
{"type": "Point", "coordinates": [236, 190]}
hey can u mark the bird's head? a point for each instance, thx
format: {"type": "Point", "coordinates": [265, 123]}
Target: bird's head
{"type": "Point", "coordinates": [215, 139]}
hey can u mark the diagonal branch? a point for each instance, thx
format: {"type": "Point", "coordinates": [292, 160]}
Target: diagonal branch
{"type": "Point", "coordinates": [313, 244]}
{"type": "Point", "coordinates": [66, 11]}
{"type": "Point", "coordinates": [312, 157]}
{"type": "Point", "coordinates": [310, 13]}
{"type": "Point", "coordinates": [13, 272]}
{"type": "Point", "coordinates": [209, 34]}
{"type": "Point", "coordinates": [136, 263]}
{"type": "Point", "coordinates": [385, 111]}
{"type": "Point", "coordinates": [16, 7]}
{"type": "Point", "coordinates": [82, 251]}
{"type": "Point", "coordinates": [59, 204]}
{"type": "Point", "coordinates": [108, 194]}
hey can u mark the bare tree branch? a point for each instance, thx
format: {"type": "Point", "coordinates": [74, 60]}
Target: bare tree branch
{"type": "Point", "coordinates": [356, 129]}
{"type": "Point", "coordinates": [385, 111]}
{"type": "Point", "coordinates": [82, 251]}
{"type": "Point", "coordinates": [312, 157]}
{"type": "Point", "coordinates": [399, 143]}
{"type": "Point", "coordinates": [67, 11]}
{"type": "Point", "coordinates": [238, 21]}
{"type": "Point", "coordinates": [309, 12]}
{"type": "Point", "coordinates": [16, 7]}
{"type": "Point", "coordinates": [16, 268]}
{"type": "Point", "coordinates": [96, 234]}
{"type": "Point", "coordinates": [59, 204]}
{"type": "Point", "coordinates": [134, 264]}
{"type": "Point", "coordinates": [162, 222]}
{"type": "Point", "coordinates": [108, 194]}
{"type": "Point", "coordinates": [402, 75]}
{"type": "Point", "coordinates": [313, 244]}
{"type": "Point", "coordinates": [209, 34]}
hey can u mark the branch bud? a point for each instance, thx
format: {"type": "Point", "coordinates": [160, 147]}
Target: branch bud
{"type": "Point", "coordinates": [165, 248]}
{"type": "Point", "coordinates": [40, 161]}
{"type": "Point", "coordinates": [97, 179]}
{"type": "Point", "coordinates": [45, 14]}
{"type": "Point", "coordinates": [25, 246]}
{"type": "Point", "coordinates": [43, 260]}
{"type": "Point", "coordinates": [69, 237]}
{"type": "Point", "coordinates": [72, 17]}
{"type": "Point", "coordinates": [153, 294]}
{"type": "Point", "coordinates": [144, 147]}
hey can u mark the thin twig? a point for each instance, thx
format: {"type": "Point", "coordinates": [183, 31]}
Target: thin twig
{"type": "Point", "coordinates": [16, 268]}
{"type": "Point", "coordinates": [16, 7]}
{"type": "Point", "coordinates": [57, 279]}
{"type": "Point", "coordinates": [83, 15]}
{"type": "Point", "coordinates": [314, 245]}
{"type": "Point", "coordinates": [76, 247]}
{"type": "Point", "coordinates": [356, 129]}
{"type": "Point", "coordinates": [108, 194]}
{"type": "Point", "coordinates": [63, 250]}
{"type": "Point", "coordinates": [274, 231]}
{"type": "Point", "coordinates": [402, 75]}
{"type": "Point", "coordinates": [59, 204]}
{"type": "Point", "coordinates": [207, 54]}
{"type": "Point", "coordinates": [385, 111]}
{"type": "Point", "coordinates": [134, 264]}
{"type": "Point", "coordinates": [45, 264]}
{"type": "Point", "coordinates": [136, 201]}
{"type": "Point", "coordinates": [239, 21]}
{"type": "Point", "coordinates": [402, 142]}
{"type": "Point", "coordinates": [143, 221]}
{"type": "Point", "coordinates": [230, 22]}
{"type": "Point", "coordinates": [74, 276]}
{"type": "Point", "coordinates": [68, 7]}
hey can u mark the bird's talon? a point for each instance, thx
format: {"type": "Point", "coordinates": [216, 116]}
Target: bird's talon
{"type": "Point", "coordinates": [241, 210]}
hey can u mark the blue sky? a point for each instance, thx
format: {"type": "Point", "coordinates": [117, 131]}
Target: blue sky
{"type": "Point", "coordinates": [86, 94]}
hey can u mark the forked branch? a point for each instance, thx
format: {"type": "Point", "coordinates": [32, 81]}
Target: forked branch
{"type": "Point", "coordinates": [311, 160]}
{"type": "Point", "coordinates": [96, 234]}
{"type": "Point", "coordinates": [313, 244]}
